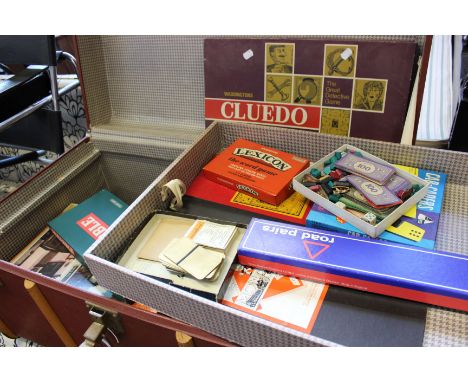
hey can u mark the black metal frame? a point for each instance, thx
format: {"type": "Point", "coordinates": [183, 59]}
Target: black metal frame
{"type": "Point", "coordinates": [29, 50]}
{"type": "Point", "coordinates": [33, 128]}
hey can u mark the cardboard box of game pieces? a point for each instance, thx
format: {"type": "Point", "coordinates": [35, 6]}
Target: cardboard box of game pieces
{"type": "Point", "coordinates": [369, 229]}
{"type": "Point", "coordinates": [422, 218]}
{"type": "Point", "coordinates": [397, 270]}
{"type": "Point", "coordinates": [256, 170]}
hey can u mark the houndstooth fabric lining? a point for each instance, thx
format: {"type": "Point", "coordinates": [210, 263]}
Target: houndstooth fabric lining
{"type": "Point", "coordinates": [38, 188]}
{"type": "Point", "coordinates": [128, 176]}
{"type": "Point", "coordinates": [167, 148]}
{"type": "Point", "coordinates": [305, 144]}
{"type": "Point", "coordinates": [445, 327]}
{"type": "Point", "coordinates": [453, 223]}
{"type": "Point", "coordinates": [94, 78]}
{"type": "Point", "coordinates": [159, 86]}
{"type": "Point", "coordinates": [74, 189]}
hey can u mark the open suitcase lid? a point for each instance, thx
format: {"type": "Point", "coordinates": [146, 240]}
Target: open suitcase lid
{"type": "Point", "coordinates": [154, 85]}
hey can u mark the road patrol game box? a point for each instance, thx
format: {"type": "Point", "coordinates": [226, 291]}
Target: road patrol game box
{"type": "Point", "coordinates": [437, 278]}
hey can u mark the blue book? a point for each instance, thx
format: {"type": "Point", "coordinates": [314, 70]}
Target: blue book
{"type": "Point", "coordinates": [80, 227]}
{"type": "Point", "coordinates": [425, 215]}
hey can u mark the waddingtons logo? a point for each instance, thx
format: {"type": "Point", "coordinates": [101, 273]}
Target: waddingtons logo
{"type": "Point", "coordinates": [247, 189]}
{"type": "Point", "coordinates": [269, 159]}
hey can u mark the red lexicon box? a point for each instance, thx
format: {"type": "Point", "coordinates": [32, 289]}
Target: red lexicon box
{"type": "Point", "coordinates": [256, 170]}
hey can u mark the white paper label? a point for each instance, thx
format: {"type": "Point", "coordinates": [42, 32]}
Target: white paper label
{"type": "Point", "coordinates": [211, 234]}
{"type": "Point", "coordinates": [248, 54]}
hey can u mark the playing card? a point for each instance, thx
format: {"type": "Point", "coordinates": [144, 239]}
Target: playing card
{"type": "Point", "coordinates": [201, 262]}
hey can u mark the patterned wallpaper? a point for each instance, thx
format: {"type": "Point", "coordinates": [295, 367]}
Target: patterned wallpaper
{"type": "Point", "coordinates": [74, 129]}
{"type": "Point", "coordinates": [16, 342]}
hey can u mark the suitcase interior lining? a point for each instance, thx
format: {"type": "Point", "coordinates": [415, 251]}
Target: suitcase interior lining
{"type": "Point", "coordinates": [129, 86]}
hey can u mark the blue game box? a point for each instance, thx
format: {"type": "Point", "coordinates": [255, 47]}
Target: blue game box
{"type": "Point", "coordinates": [431, 277]}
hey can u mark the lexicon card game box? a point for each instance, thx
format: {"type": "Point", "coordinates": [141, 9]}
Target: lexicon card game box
{"type": "Point", "coordinates": [255, 169]}
{"type": "Point", "coordinates": [423, 217]}
{"type": "Point", "coordinates": [293, 209]}
{"type": "Point", "coordinates": [431, 277]}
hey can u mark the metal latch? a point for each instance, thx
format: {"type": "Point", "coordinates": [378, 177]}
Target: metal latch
{"type": "Point", "coordinates": [93, 334]}
{"type": "Point", "coordinates": [106, 324]}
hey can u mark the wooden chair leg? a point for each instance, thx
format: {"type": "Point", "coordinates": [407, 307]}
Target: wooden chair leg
{"type": "Point", "coordinates": [184, 340]}
{"type": "Point", "coordinates": [48, 313]}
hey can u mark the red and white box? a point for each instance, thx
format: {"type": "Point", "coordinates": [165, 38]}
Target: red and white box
{"type": "Point", "coordinates": [257, 170]}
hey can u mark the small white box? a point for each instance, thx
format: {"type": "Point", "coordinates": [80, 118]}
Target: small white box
{"type": "Point", "coordinates": [369, 229]}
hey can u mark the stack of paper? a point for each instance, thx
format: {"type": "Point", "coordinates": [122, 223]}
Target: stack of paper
{"type": "Point", "coordinates": [200, 252]}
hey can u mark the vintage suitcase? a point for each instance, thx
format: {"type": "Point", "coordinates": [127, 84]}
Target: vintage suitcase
{"type": "Point", "coordinates": [145, 104]}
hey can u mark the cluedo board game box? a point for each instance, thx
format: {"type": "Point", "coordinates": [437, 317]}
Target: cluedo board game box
{"type": "Point", "coordinates": [341, 87]}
